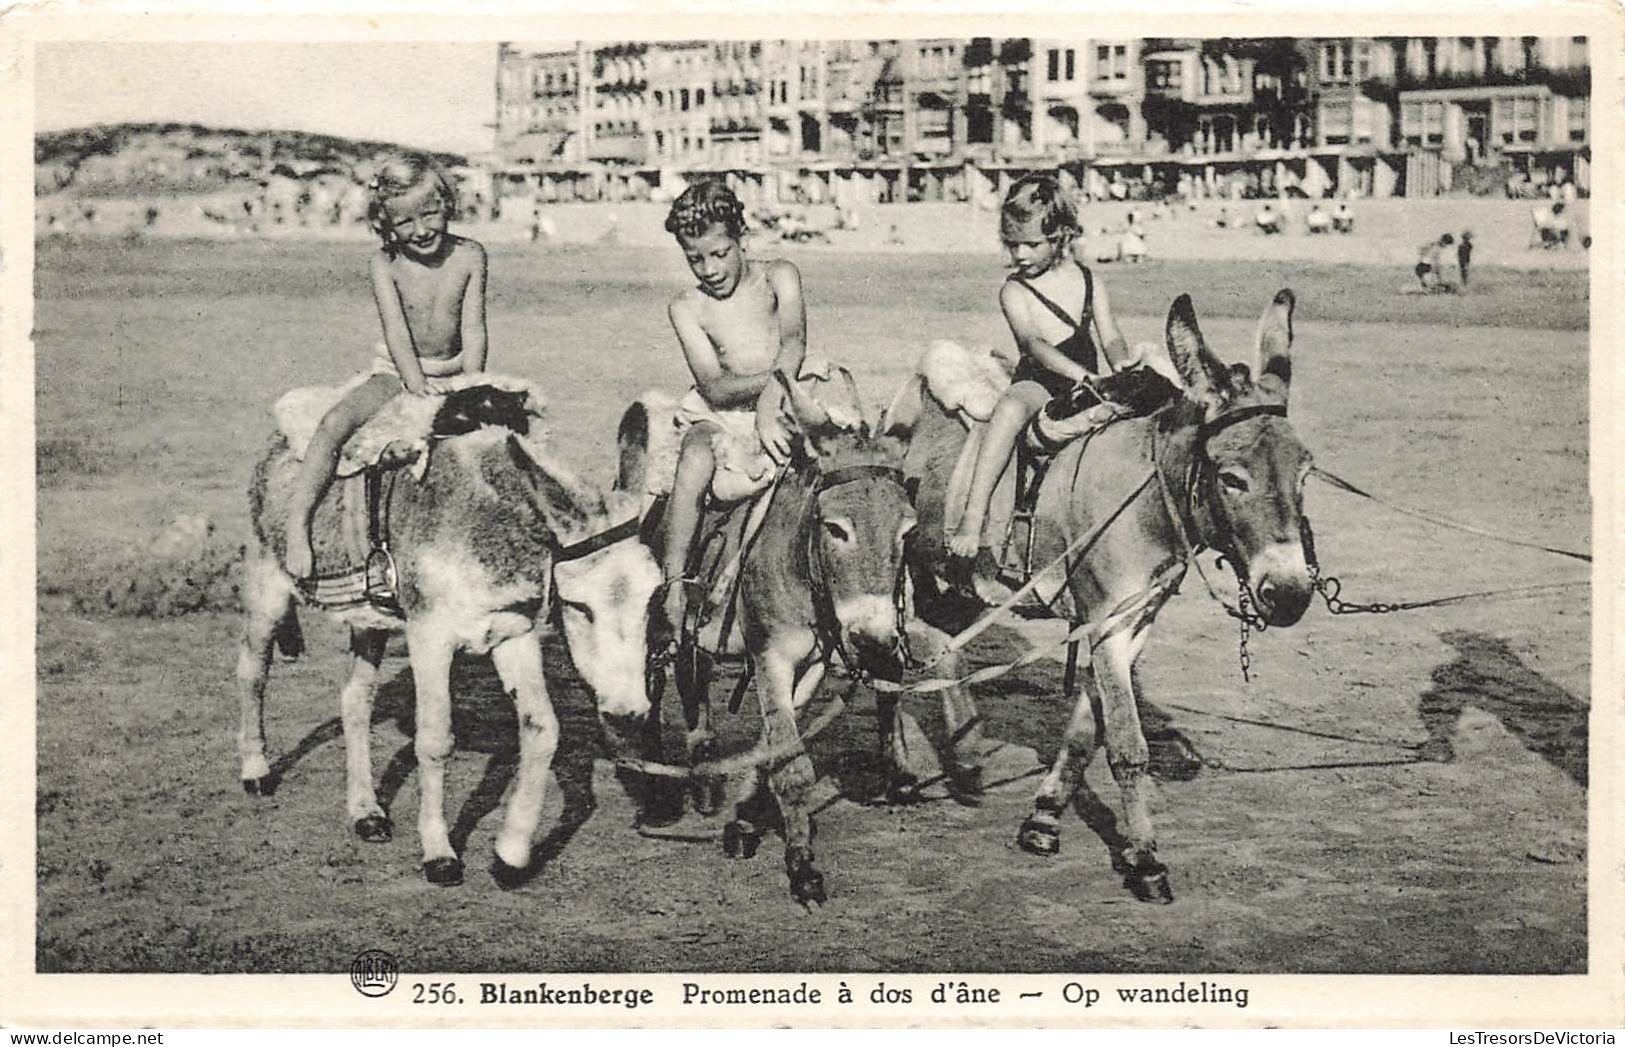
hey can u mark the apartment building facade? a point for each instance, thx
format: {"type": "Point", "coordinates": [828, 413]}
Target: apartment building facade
{"type": "Point", "coordinates": [937, 118]}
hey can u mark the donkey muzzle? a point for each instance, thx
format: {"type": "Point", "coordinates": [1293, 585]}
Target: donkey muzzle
{"type": "Point", "coordinates": [1282, 586]}
{"type": "Point", "coordinates": [868, 624]}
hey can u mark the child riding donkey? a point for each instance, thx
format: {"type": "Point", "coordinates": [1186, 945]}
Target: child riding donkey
{"type": "Point", "coordinates": [429, 286]}
{"type": "Point", "coordinates": [742, 322]}
{"type": "Point", "coordinates": [1061, 346]}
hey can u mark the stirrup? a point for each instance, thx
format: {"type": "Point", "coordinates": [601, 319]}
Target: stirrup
{"type": "Point", "coordinates": [381, 581]}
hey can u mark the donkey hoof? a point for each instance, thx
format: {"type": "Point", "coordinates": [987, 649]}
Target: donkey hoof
{"type": "Point", "coordinates": [1149, 882]}
{"type": "Point", "coordinates": [1040, 837]}
{"type": "Point", "coordinates": [903, 789]}
{"type": "Point", "coordinates": [264, 785]}
{"type": "Point", "coordinates": [806, 882]}
{"type": "Point", "coordinates": [708, 791]}
{"type": "Point", "coordinates": [740, 840]}
{"type": "Point", "coordinates": [510, 877]}
{"type": "Point", "coordinates": [966, 787]}
{"type": "Point", "coordinates": [662, 806]}
{"type": "Point", "coordinates": [443, 872]}
{"type": "Point", "coordinates": [374, 828]}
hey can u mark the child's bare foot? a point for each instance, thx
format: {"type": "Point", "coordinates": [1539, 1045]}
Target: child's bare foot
{"type": "Point", "coordinates": [966, 540]}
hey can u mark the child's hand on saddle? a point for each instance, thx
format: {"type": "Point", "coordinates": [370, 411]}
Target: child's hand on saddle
{"type": "Point", "coordinates": [774, 434]}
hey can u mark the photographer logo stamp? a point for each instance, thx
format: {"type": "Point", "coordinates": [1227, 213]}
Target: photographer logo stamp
{"type": "Point", "coordinates": [374, 973]}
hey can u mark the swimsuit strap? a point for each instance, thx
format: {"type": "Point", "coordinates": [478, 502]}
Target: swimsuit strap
{"type": "Point", "coordinates": [1061, 314]}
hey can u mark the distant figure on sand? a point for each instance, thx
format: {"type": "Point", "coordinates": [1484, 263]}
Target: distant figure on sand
{"type": "Point", "coordinates": [1427, 264]}
{"type": "Point", "coordinates": [743, 321]}
{"type": "Point", "coordinates": [1318, 221]}
{"type": "Point", "coordinates": [1554, 226]}
{"type": "Point", "coordinates": [1343, 218]}
{"type": "Point", "coordinates": [1131, 248]}
{"type": "Point", "coordinates": [1464, 255]}
{"type": "Point", "coordinates": [1060, 345]}
{"type": "Point", "coordinates": [1269, 220]}
{"type": "Point", "coordinates": [429, 286]}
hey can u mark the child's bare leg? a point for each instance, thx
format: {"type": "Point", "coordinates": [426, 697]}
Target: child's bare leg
{"type": "Point", "coordinates": [696, 464]}
{"type": "Point", "coordinates": [321, 458]}
{"type": "Point", "coordinates": [1011, 415]}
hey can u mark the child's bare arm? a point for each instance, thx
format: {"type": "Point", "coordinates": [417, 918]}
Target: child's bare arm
{"type": "Point", "coordinates": [473, 326]}
{"type": "Point", "coordinates": [1112, 342]}
{"type": "Point", "coordinates": [785, 279]}
{"type": "Point", "coordinates": [1017, 306]}
{"type": "Point", "coordinates": [397, 333]}
{"type": "Point", "coordinates": [719, 388]}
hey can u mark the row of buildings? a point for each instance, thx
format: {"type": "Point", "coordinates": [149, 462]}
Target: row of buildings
{"type": "Point", "coordinates": [861, 121]}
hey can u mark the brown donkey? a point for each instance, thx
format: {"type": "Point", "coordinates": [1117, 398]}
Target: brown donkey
{"type": "Point", "coordinates": [1219, 468]}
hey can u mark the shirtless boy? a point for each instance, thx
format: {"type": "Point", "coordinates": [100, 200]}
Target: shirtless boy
{"type": "Point", "coordinates": [743, 321]}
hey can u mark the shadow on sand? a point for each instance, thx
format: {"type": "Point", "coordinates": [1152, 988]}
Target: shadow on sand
{"type": "Point", "coordinates": [1486, 674]}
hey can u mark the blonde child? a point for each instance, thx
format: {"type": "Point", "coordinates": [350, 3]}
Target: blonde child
{"type": "Point", "coordinates": [1060, 344]}
{"type": "Point", "coordinates": [429, 286]}
{"type": "Point", "coordinates": [743, 321]}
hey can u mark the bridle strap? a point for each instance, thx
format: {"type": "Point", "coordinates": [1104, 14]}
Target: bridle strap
{"type": "Point", "coordinates": [1208, 430]}
{"type": "Point", "coordinates": [594, 542]}
{"type": "Point", "coordinates": [852, 473]}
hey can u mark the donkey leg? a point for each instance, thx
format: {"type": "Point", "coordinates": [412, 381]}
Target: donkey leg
{"type": "Point", "coordinates": [963, 724]}
{"type": "Point", "coordinates": [791, 776]}
{"type": "Point", "coordinates": [700, 738]}
{"type": "Point", "coordinates": [355, 708]}
{"type": "Point", "coordinates": [902, 784]}
{"type": "Point", "coordinates": [431, 648]}
{"type": "Point", "coordinates": [1040, 834]}
{"type": "Point", "coordinates": [519, 663]}
{"type": "Point", "coordinates": [1129, 757]}
{"type": "Point", "coordinates": [267, 599]}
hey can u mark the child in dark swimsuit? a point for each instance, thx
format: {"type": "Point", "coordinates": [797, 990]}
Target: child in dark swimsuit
{"type": "Point", "coordinates": [1060, 346]}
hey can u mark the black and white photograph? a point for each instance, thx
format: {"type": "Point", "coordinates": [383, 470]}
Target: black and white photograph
{"type": "Point", "coordinates": [1049, 529]}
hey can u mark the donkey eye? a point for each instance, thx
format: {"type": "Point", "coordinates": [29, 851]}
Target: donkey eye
{"type": "Point", "coordinates": [580, 609]}
{"type": "Point", "coordinates": [838, 530]}
{"type": "Point", "coordinates": [1233, 481]}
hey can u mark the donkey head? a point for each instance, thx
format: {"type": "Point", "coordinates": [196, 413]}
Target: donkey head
{"type": "Point", "coordinates": [603, 579]}
{"type": "Point", "coordinates": [1249, 465]}
{"type": "Point", "coordinates": [857, 520]}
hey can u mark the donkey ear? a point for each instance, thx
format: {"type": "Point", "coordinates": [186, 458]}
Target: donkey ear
{"type": "Point", "coordinates": [1272, 363]}
{"type": "Point", "coordinates": [1203, 373]}
{"type": "Point", "coordinates": [565, 506]}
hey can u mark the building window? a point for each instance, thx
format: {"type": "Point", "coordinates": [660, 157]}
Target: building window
{"type": "Point", "coordinates": [1071, 65]}
{"type": "Point", "coordinates": [1164, 75]}
{"type": "Point", "coordinates": [1337, 62]}
{"type": "Point", "coordinates": [1054, 64]}
{"type": "Point", "coordinates": [1577, 119]}
{"type": "Point", "coordinates": [1336, 123]}
{"type": "Point", "coordinates": [682, 99]}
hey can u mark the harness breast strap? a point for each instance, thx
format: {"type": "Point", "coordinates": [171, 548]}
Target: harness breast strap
{"type": "Point", "coordinates": [592, 543]}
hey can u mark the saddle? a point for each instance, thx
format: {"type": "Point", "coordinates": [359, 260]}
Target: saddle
{"type": "Point", "coordinates": [950, 372]}
{"type": "Point", "coordinates": [350, 530]}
